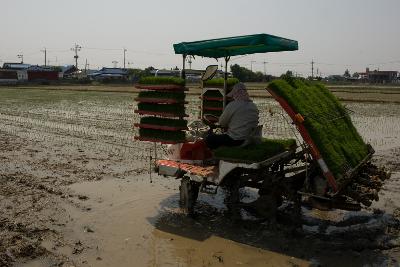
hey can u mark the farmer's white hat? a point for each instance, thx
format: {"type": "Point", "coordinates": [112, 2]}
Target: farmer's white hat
{"type": "Point", "coordinates": [237, 87]}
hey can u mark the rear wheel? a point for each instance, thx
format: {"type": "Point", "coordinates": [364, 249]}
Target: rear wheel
{"type": "Point", "coordinates": [189, 192]}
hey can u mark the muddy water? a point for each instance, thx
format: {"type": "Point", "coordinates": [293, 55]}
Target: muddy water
{"type": "Point", "coordinates": [124, 220]}
{"type": "Point", "coordinates": [137, 224]}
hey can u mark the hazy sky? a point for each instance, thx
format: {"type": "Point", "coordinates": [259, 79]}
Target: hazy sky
{"type": "Point", "coordinates": [337, 34]}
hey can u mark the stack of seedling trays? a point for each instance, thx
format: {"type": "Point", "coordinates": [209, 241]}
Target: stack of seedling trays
{"type": "Point", "coordinates": [161, 104]}
{"type": "Point", "coordinates": [212, 98]}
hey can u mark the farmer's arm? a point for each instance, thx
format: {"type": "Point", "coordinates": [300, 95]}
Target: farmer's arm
{"type": "Point", "coordinates": [226, 116]}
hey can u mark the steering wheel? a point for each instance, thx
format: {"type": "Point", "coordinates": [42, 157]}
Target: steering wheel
{"type": "Point", "coordinates": [211, 120]}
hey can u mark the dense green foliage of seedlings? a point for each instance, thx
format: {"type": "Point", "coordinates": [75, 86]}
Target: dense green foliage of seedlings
{"type": "Point", "coordinates": [256, 153]}
{"type": "Point", "coordinates": [169, 108]}
{"type": "Point", "coordinates": [213, 104]}
{"type": "Point", "coordinates": [219, 82]}
{"type": "Point", "coordinates": [163, 121]}
{"type": "Point", "coordinates": [175, 136]}
{"type": "Point", "coordinates": [327, 122]}
{"type": "Point", "coordinates": [179, 96]}
{"type": "Point", "coordinates": [151, 80]}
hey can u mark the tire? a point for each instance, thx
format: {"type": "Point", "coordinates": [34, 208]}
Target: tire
{"type": "Point", "coordinates": [188, 192]}
{"type": "Point", "coordinates": [232, 199]}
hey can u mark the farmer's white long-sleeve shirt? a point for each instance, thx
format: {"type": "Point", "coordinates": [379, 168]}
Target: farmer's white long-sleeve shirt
{"type": "Point", "coordinates": [240, 117]}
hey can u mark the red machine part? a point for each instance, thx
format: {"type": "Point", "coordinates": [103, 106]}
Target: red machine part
{"type": "Point", "coordinates": [298, 120]}
{"type": "Point", "coordinates": [195, 151]}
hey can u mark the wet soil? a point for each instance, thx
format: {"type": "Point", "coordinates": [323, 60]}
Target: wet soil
{"type": "Point", "coordinates": [75, 191]}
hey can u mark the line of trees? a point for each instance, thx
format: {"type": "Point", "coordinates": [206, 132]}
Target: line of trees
{"type": "Point", "coordinates": [246, 75]}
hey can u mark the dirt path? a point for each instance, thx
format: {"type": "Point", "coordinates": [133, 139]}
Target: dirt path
{"type": "Point", "coordinates": [74, 191]}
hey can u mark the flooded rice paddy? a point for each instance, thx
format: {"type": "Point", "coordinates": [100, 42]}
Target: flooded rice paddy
{"type": "Point", "coordinates": [75, 191]}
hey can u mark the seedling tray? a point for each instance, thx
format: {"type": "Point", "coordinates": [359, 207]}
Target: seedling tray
{"type": "Point", "coordinates": [256, 153]}
{"type": "Point", "coordinates": [162, 114]}
{"type": "Point", "coordinates": [159, 127]}
{"type": "Point", "coordinates": [161, 135]}
{"type": "Point", "coordinates": [167, 142]}
{"type": "Point", "coordinates": [211, 98]}
{"type": "Point", "coordinates": [160, 100]}
{"type": "Point", "coordinates": [212, 108]}
{"type": "Point", "coordinates": [324, 125]}
{"type": "Point", "coordinates": [162, 87]}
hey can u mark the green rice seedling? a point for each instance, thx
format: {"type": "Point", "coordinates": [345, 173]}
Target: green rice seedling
{"type": "Point", "coordinates": [163, 122]}
{"type": "Point", "coordinates": [256, 153]}
{"type": "Point", "coordinates": [178, 96]}
{"type": "Point", "coordinates": [178, 109]}
{"type": "Point", "coordinates": [219, 82]}
{"type": "Point", "coordinates": [175, 136]}
{"type": "Point", "coordinates": [151, 80]}
{"type": "Point", "coordinates": [327, 122]}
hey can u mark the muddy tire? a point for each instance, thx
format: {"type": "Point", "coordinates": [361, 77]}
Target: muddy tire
{"type": "Point", "coordinates": [232, 199]}
{"type": "Point", "coordinates": [188, 192]}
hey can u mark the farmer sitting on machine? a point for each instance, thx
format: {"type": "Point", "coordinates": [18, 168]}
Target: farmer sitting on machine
{"type": "Point", "coordinates": [240, 118]}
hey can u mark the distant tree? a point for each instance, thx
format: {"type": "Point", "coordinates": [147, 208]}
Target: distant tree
{"type": "Point", "coordinates": [56, 68]}
{"type": "Point", "coordinates": [246, 75]}
{"type": "Point", "coordinates": [356, 75]}
{"type": "Point", "coordinates": [347, 74]}
{"type": "Point", "coordinates": [288, 73]}
{"type": "Point", "coordinates": [136, 74]}
{"type": "Point", "coordinates": [147, 71]}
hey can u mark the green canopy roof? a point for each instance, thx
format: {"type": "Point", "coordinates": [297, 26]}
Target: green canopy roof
{"type": "Point", "coordinates": [234, 46]}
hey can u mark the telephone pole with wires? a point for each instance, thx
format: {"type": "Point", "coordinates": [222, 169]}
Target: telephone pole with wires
{"type": "Point", "coordinates": [251, 64]}
{"type": "Point", "coordinates": [76, 49]}
{"type": "Point", "coordinates": [21, 56]}
{"type": "Point", "coordinates": [312, 68]}
{"type": "Point", "coordinates": [265, 72]}
{"type": "Point", "coordinates": [190, 61]}
{"type": "Point", "coordinates": [124, 56]}
{"type": "Point", "coordinates": [45, 56]}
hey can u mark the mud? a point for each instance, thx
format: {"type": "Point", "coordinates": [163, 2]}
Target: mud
{"type": "Point", "coordinates": [75, 191]}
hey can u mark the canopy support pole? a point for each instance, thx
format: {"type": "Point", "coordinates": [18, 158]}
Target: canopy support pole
{"type": "Point", "coordinates": [183, 74]}
{"type": "Point", "coordinates": [226, 79]}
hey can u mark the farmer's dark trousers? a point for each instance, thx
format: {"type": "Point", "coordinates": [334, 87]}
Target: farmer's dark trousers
{"type": "Point", "coordinates": [214, 141]}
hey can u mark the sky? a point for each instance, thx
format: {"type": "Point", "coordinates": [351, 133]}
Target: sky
{"type": "Point", "coordinates": [335, 34]}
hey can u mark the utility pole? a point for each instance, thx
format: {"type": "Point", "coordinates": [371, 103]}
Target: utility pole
{"type": "Point", "coordinates": [265, 72]}
{"type": "Point", "coordinates": [21, 56]}
{"type": "Point", "coordinates": [312, 69]}
{"type": "Point", "coordinates": [86, 64]}
{"type": "Point", "coordinates": [76, 48]}
{"type": "Point", "coordinates": [251, 65]}
{"type": "Point", "coordinates": [190, 62]}
{"type": "Point", "coordinates": [45, 56]}
{"type": "Point", "coordinates": [124, 56]}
